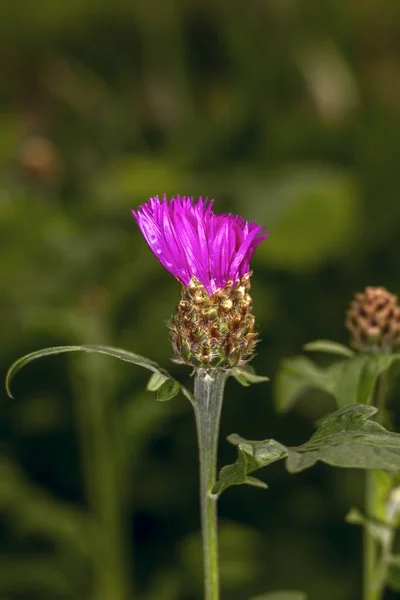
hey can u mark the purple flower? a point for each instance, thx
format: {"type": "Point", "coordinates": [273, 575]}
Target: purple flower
{"type": "Point", "coordinates": [190, 240]}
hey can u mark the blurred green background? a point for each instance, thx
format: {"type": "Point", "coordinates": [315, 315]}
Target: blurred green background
{"type": "Point", "coordinates": [285, 112]}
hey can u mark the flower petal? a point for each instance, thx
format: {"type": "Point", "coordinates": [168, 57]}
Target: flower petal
{"type": "Point", "coordinates": [190, 240]}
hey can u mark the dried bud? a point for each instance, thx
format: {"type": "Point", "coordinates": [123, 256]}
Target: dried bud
{"type": "Point", "coordinates": [373, 320]}
{"type": "Point", "coordinates": [214, 331]}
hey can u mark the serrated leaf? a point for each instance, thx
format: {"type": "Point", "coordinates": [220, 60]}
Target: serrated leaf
{"type": "Point", "coordinates": [282, 595]}
{"type": "Point", "coordinates": [329, 347]}
{"type": "Point", "coordinates": [350, 381]}
{"type": "Point", "coordinates": [168, 390]}
{"type": "Point", "coordinates": [119, 353]}
{"type": "Point", "coordinates": [347, 438]}
{"type": "Point", "coordinates": [246, 376]}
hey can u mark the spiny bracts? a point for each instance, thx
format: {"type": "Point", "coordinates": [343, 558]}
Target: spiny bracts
{"type": "Point", "coordinates": [214, 331]}
{"type": "Point", "coordinates": [373, 320]}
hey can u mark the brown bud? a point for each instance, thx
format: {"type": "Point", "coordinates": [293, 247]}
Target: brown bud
{"type": "Point", "coordinates": [219, 331]}
{"type": "Point", "coordinates": [373, 320]}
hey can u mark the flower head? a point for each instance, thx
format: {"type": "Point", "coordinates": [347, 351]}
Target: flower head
{"type": "Point", "coordinates": [190, 240]}
{"type": "Point", "coordinates": [210, 254]}
{"type": "Point", "coordinates": [373, 320]}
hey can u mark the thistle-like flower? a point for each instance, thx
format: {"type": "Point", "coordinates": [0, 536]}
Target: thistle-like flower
{"type": "Point", "coordinates": [373, 320]}
{"type": "Point", "coordinates": [210, 255]}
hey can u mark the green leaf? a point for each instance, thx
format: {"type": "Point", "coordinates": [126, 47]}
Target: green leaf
{"type": "Point", "coordinates": [329, 347]}
{"type": "Point", "coordinates": [246, 376]}
{"type": "Point", "coordinates": [294, 377]}
{"type": "Point", "coordinates": [347, 438]}
{"type": "Point", "coordinates": [251, 456]}
{"type": "Point", "coordinates": [168, 390]}
{"type": "Point", "coordinates": [155, 382]}
{"type": "Point", "coordinates": [119, 353]}
{"type": "Point", "coordinates": [355, 379]}
{"type": "Point", "coordinates": [350, 381]}
{"type": "Point", "coordinates": [282, 595]}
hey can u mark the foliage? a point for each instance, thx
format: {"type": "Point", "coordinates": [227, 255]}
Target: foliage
{"type": "Point", "coordinates": [346, 438]}
{"type": "Point", "coordinates": [350, 381]}
{"type": "Point", "coordinates": [284, 115]}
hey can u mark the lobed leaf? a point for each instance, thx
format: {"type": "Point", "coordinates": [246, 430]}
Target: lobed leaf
{"type": "Point", "coordinates": [347, 438]}
{"type": "Point", "coordinates": [119, 353]}
{"type": "Point", "coordinates": [251, 457]}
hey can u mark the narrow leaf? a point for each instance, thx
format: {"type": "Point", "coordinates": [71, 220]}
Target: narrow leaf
{"type": "Point", "coordinates": [246, 376]}
{"type": "Point", "coordinates": [119, 353]}
{"type": "Point", "coordinates": [328, 347]}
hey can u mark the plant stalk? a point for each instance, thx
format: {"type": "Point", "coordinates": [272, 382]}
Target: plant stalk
{"type": "Point", "coordinates": [208, 394]}
{"type": "Point", "coordinates": [370, 549]}
{"type": "Point", "coordinates": [373, 582]}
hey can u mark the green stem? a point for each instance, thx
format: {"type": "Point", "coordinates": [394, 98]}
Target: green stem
{"type": "Point", "coordinates": [384, 562]}
{"type": "Point", "coordinates": [208, 393]}
{"type": "Point", "coordinates": [373, 581]}
{"type": "Point", "coordinates": [370, 550]}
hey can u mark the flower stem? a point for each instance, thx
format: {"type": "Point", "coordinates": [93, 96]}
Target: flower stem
{"type": "Point", "coordinates": [370, 550]}
{"type": "Point", "coordinates": [374, 573]}
{"type": "Point", "coordinates": [208, 394]}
